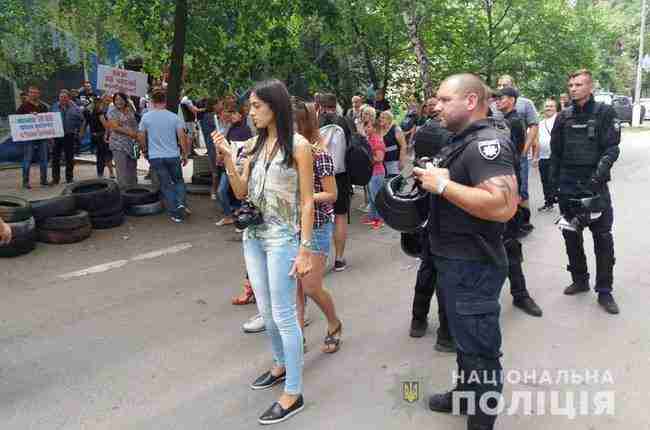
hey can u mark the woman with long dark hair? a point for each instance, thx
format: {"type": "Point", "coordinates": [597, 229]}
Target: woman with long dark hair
{"type": "Point", "coordinates": [96, 118]}
{"type": "Point", "coordinates": [277, 180]}
{"type": "Point", "coordinates": [122, 142]}
{"type": "Point", "coordinates": [325, 193]}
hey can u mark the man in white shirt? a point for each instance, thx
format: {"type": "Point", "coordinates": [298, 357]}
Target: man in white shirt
{"type": "Point", "coordinates": [543, 153]}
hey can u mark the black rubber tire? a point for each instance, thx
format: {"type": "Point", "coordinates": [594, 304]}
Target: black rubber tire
{"type": "Point", "coordinates": [108, 211]}
{"type": "Point", "coordinates": [139, 195]}
{"type": "Point", "coordinates": [202, 180]}
{"type": "Point", "coordinates": [145, 210]}
{"type": "Point", "coordinates": [23, 238]}
{"type": "Point", "coordinates": [111, 221]}
{"type": "Point", "coordinates": [55, 206]}
{"type": "Point", "coordinates": [17, 247]}
{"type": "Point", "coordinates": [14, 209]}
{"type": "Point", "coordinates": [64, 236]}
{"type": "Point", "coordinates": [198, 189]}
{"type": "Point", "coordinates": [70, 222]}
{"type": "Point", "coordinates": [94, 195]}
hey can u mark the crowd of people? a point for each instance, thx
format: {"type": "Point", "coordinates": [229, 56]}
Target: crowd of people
{"type": "Point", "coordinates": [278, 171]}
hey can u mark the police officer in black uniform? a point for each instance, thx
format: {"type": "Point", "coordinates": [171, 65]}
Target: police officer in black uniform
{"type": "Point", "coordinates": [585, 144]}
{"type": "Point", "coordinates": [507, 99]}
{"type": "Point", "coordinates": [429, 140]}
{"type": "Point", "coordinates": [474, 193]}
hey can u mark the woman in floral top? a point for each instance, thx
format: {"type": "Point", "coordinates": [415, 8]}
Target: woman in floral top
{"type": "Point", "coordinates": [325, 192]}
{"type": "Point", "coordinates": [124, 131]}
{"type": "Point", "coordinates": [278, 179]}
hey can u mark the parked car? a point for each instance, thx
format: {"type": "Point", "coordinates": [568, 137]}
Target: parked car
{"type": "Point", "coordinates": [623, 107]}
{"type": "Point", "coordinates": [604, 97]}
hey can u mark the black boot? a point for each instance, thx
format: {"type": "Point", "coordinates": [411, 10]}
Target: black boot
{"type": "Point", "coordinates": [528, 305]}
{"type": "Point", "coordinates": [577, 287]}
{"type": "Point", "coordinates": [418, 327]}
{"type": "Point", "coordinates": [444, 403]}
{"type": "Point", "coordinates": [607, 302]}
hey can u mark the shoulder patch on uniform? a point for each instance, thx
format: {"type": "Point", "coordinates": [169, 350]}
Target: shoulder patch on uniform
{"type": "Point", "coordinates": [617, 125]}
{"type": "Point", "coordinates": [489, 149]}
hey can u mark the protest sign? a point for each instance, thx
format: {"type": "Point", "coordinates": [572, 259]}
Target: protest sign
{"type": "Point", "coordinates": [113, 80]}
{"type": "Point", "coordinates": [36, 126]}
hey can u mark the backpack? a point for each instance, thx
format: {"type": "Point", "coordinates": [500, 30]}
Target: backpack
{"type": "Point", "coordinates": [358, 159]}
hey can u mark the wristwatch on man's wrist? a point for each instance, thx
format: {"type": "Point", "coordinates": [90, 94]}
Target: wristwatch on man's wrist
{"type": "Point", "coordinates": [442, 184]}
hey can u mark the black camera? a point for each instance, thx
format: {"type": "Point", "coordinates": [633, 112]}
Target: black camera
{"type": "Point", "coordinates": [247, 214]}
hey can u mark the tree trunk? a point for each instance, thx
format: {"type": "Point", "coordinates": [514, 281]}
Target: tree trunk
{"type": "Point", "coordinates": [178, 52]}
{"type": "Point", "coordinates": [411, 21]}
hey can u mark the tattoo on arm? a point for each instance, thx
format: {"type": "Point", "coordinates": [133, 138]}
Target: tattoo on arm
{"type": "Point", "coordinates": [505, 186]}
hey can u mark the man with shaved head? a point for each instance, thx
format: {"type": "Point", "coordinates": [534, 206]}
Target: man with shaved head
{"type": "Point", "coordinates": [474, 192]}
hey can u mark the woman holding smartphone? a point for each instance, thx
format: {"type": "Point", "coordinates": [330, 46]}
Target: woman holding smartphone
{"type": "Point", "coordinates": [277, 179]}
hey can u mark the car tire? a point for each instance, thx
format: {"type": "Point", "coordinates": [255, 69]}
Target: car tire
{"type": "Point", "coordinates": [23, 239]}
{"type": "Point", "coordinates": [145, 210]}
{"type": "Point", "coordinates": [64, 236]}
{"type": "Point", "coordinates": [14, 209]}
{"type": "Point", "coordinates": [94, 195]}
{"type": "Point", "coordinates": [53, 207]}
{"type": "Point", "coordinates": [202, 180]}
{"type": "Point", "coordinates": [198, 189]}
{"type": "Point", "coordinates": [109, 210]}
{"type": "Point", "coordinates": [109, 221]}
{"type": "Point", "coordinates": [139, 195]}
{"type": "Point", "coordinates": [67, 222]}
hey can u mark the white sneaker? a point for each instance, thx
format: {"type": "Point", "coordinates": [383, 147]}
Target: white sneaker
{"type": "Point", "coordinates": [213, 196]}
{"type": "Point", "coordinates": [254, 325]}
{"type": "Point", "coordinates": [364, 208]}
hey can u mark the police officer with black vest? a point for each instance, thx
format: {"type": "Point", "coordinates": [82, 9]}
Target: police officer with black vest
{"type": "Point", "coordinates": [474, 192]}
{"type": "Point", "coordinates": [585, 144]}
{"type": "Point", "coordinates": [506, 102]}
{"type": "Point", "coordinates": [429, 140]}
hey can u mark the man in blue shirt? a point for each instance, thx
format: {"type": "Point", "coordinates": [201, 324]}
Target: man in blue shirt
{"type": "Point", "coordinates": [160, 134]}
{"type": "Point", "coordinates": [73, 127]}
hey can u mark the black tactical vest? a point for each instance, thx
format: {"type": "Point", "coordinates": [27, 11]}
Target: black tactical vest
{"type": "Point", "coordinates": [581, 140]}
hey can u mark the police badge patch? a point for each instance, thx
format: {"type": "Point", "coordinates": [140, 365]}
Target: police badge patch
{"type": "Point", "coordinates": [489, 149]}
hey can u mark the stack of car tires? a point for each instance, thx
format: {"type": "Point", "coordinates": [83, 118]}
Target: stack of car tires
{"type": "Point", "coordinates": [101, 198]}
{"type": "Point", "coordinates": [17, 213]}
{"type": "Point", "coordinates": [59, 221]}
{"type": "Point", "coordinates": [141, 200]}
{"type": "Point", "coordinates": [201, 176]}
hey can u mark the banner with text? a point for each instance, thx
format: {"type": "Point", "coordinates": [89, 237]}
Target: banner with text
{"type": "Point", "coordinates": [36, 126]}
{"type": "Point", "coordinates": [113, 80]}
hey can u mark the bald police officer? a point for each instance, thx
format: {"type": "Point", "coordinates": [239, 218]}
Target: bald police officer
{"type": "Point", "coordinates": [584, 146]}
{"type": "Point", "coordinates": [474, 193]}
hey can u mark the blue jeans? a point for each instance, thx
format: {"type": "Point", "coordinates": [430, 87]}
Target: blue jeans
{"type": "Point", "coordinates": [41, 148]}
{"type": "Point", "coordinates": [268, 262]}
{"type": "Point", "coordinates": [523, 169]}
{"type": "Point", "coordinates": [375, 184]}
{"type": "Point", "coordinates": [172, 185]}
{"type": "Point", "coordinates": [321, 238]}
{"type": "Point", "coordinates": [224, 195]}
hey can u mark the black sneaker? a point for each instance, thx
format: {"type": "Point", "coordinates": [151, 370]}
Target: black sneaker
{"type": "Point", "coordinates": [528, 305]}
{"type": "Point", "coordinates": [339, 265]}
{"type": "Point", "coordinates": [445, 344]}
{"type": "Point", "coordinates": [276, 413]}
{"type": "Point", "coordinates": [577, 287]}
{"type": "Point", "coordinates": [546, 208]}
{"type": "Point", "coordinates": [418, 327]}
{"type": "Point", "coordinates": [607, 302]}
{"type": "Point", "coordinates": [267, 380]}
{"type": "Point", "coordinates": [445, 403]}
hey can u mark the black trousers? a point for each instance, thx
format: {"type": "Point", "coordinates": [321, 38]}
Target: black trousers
{"type": "Point", "coordinates": [104, 154]}
{"type": "Point", "coordinates": [65, 144]}
{"type": "Point", "coordinates": [425, 287]}
{"type": "Point", "coordinates": [515, 271]}
{"type": "Point", "coordinates": [547, 181]}
{"type": "Point", "coordinates": [601, 231]}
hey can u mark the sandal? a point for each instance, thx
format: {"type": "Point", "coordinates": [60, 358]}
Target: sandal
{"type": "Point", "coordinates": [247, 297]}
{"type": "Point", "coordinates": [333, 339]}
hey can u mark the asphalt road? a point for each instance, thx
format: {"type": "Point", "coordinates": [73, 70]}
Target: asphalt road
{"type": "Point", "coordinates": [147, 338]}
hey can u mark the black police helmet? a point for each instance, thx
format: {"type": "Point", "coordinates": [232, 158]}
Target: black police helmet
{"type": "Point", "coordinates": [402, 205]}
{"type": "Point", "coordinates": [586, 208]}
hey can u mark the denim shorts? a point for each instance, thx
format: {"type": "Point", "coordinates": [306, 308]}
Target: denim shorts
{"type": "Point", "coordinates": [321, 239]}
